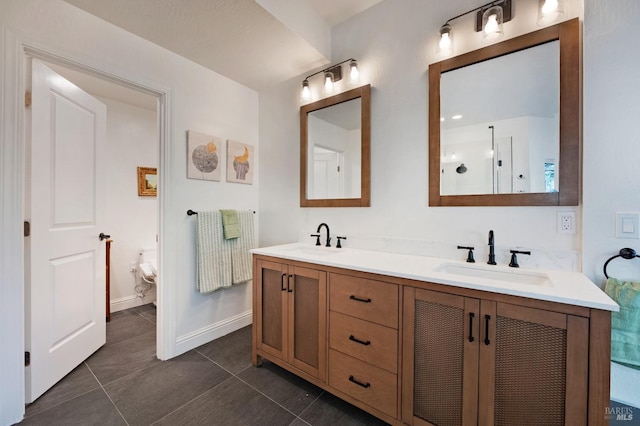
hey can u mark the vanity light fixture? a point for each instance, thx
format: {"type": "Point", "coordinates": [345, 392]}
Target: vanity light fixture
{"type": "Point", "coordinates": [550, 11]}
{"type": "Point", "coordinates": [331, 75]}
{"type": "Point", "coordinates": [456, 117]}
{"type": "Point", "coordinates": [489, 20]}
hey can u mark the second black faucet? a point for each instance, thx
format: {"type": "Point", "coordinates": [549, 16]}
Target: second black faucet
{"type": "Point", "coordinates": [328, 233]}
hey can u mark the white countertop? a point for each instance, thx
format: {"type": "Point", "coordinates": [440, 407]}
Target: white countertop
{"type": "Point", "coordinates": [572, 288]}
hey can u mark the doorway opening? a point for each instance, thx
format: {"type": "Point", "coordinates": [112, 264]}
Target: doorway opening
{"type": "Point", "coordinates": [135, 114]}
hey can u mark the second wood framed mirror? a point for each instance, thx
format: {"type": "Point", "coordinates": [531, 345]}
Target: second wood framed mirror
{"type": "Point", "coordinates": [335, 138]}
{"type": "Point", "coordinates": [527, 151]}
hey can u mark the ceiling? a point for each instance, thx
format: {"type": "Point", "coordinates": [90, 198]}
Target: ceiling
{"type": "Point", "coordinates": [239, 39]}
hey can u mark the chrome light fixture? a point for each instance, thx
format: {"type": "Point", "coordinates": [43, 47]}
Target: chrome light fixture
{"type": "Point", "coordinates": [489, 20]}
{"type": "Point", "coordinates": [550, 11]}
{"type": "Point", "coordinates": [331, 75]}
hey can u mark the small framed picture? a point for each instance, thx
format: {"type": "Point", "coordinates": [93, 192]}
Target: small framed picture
{"type": "Point", "coordinates": [147, 181]}
{"type": "Point", "coordinates": [204, 156]}
{"type": "Point", "coordinates": [240, 162]}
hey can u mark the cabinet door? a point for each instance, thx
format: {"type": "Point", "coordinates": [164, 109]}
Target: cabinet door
{"type": "Point", "coordinates": [533, 366]}
{"type": "Point", "coordinates": [307, 311]}
{"type": "Point", "coordinates": [440, 358]}
{"type": "Point", "coordinates": [271, 282]}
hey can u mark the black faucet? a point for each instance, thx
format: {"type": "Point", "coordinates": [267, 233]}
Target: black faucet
{"type": "Point", "coordinates": [328, 233]}
{"type": "Point", "coordinates": [492, 253]}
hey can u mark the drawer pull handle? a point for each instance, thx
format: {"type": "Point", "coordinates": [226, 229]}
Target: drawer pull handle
{"type": "Point", "coordinates": [487, 318]}
{"type": "Point", "coordinates": [364, 385]}
{"type": "Point", "coordinates": [358, 299]}
{"type": "Point", "coordinates": [362, 342]}
{"type": "Point", "coordinates": [282, 287]}
{"type": "Point", "coordinates": [289, 290]}
{"type": "Point", "coordinates": [471, 316]}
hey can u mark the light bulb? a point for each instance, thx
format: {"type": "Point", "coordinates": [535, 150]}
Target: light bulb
{"type": "Point", "coordinates": [354, 74]}
{"type": "Point", "coordinates": [306, 92]}
{"type": "Point", "coordinates": [328, 82]}
{"type": "Point", "coordinates": [492, 25]}
{"type": "Point", "coordinates": [445, 44]}
{"type": "Point", "coordinates": [549, 6]}
{"type": "Point", "coordinates": [549, 11]}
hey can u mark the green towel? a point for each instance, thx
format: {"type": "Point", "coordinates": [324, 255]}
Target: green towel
{"type": "Point", "coordinates": [625, 325]}
{"type": "Point", "coordinates": [230, 224]}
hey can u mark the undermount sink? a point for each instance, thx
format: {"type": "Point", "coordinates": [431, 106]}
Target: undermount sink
{"type": "Point", "coordinates": [516, 276]}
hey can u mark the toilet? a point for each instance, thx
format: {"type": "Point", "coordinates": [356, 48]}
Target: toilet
{"type": "Point", "coordinates": [148, 266]}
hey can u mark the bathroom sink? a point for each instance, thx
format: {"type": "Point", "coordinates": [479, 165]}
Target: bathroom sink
{"type": "Point", "coordinates": [516, 276]}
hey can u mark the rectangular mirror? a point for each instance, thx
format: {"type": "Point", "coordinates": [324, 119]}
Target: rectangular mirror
{"type": "Point", "coordinates": [334, 150]}
{"type": "Point", "coordinates": [504, 122]}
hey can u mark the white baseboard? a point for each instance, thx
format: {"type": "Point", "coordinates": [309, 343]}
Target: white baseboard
{"type": "Point", "coordinates": [625, 385]}
{"type": "Point", "coordinates": [211, 332]}
{"type": "Point", "coordinates": [131, 301]}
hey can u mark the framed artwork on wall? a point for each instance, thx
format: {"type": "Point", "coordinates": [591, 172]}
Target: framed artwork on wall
{"type": "Point", "coordinates": [147, 181]}
{"type": "Point", "coordinates": [204, 156]}
{"type": "Point", "coordinates": [240, 162]}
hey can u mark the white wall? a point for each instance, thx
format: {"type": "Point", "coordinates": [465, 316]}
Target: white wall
{"type": "Point", "coordinates": [611, 129]}
{"type": "Point", "coordinates": [132, 220]}
{"type": "Point", "coordinates": [197, 99]}
{"type": "Point", "coordinates": [394, 48]}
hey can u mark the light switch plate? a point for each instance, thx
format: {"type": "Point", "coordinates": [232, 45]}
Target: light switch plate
{"type": "Point", "coordinates": [628, 225]}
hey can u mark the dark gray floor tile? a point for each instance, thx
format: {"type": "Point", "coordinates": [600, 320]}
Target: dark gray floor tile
{"type": "Point", "coordinates": [117, 360]}
{"type": "Point", "coordinates": [231, 403]}
{"type": "Point", "coordinates": [285, 388]}
{"type": "Point", "coordinates": [299, 422]}
{"type": "Point", "coordinates": [76, 383]}
{"type": "Point", "coordinates": [232, 352]}
{"type": "Point", "coordinates": [329, 410]}
{"type": "Point", "coordinates": [148, 311]}
{"type": "Point", "coordinates": [93, 408]}
{"type": "Point", "coordinates": [150, 394]}
{"type": "Point", "coordinates": [125, 325]}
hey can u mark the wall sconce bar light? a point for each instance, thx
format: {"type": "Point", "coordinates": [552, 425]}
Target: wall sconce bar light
{"type": "Point", "coordinates": [332, 75]}
{"type": "Point", "coordinates": [489, 20]}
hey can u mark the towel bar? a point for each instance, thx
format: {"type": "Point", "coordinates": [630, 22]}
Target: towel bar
{"type": "Point", "coordinates": [625, 253]}
{"type": "Point", "coordinates": [191, 212]}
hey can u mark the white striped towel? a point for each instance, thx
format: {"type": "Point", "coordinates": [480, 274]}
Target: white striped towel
{"type": "Point", "coordinates": [221, 262]}
{"type": "Point", "coordinates": [214, 256]}
{"type": "Point", "coordinates": [240, 256]}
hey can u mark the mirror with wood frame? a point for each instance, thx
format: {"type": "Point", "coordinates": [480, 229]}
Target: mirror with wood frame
{"type": "Point", "coordinates": [335, 137]}
{"type": "Point", "coordinates": [518, 143]}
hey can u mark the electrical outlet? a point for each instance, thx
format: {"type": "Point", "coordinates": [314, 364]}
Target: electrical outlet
{"type": "Point", "coordinates": [566, 222]}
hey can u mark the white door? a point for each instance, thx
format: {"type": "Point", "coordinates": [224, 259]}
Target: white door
{"type": "Point", "coordinates": [65, 296]}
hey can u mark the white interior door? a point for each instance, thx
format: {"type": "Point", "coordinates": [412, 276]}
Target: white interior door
{"type": "Point", "coordinates": [65, 300]}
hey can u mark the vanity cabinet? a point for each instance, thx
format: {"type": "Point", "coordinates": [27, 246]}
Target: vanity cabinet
{"type": "Point", "coordinates": [471, 361]}
{"type": "Point", "coordinates": [419, 353]}
{"type": "Point", "coordinates": [290, 316]}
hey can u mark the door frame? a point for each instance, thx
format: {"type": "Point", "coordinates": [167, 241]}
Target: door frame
{"type": "Point", "coordinates": [15, 53]}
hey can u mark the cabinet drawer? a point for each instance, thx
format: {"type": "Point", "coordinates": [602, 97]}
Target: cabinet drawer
{"type": "Point", "coordinates": [370, 300]}
{"type": "Point", "coordinates": [364, 340]}
{"type": "Point", "coordinates": [372, 385]}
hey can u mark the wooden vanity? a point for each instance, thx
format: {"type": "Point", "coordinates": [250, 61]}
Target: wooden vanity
{"type": "Point", "coordinates": [416, 352]}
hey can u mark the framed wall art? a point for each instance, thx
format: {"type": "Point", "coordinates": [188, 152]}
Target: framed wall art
{"type": "Point", "coordinates": [240, 162]}
{"type": "Point", "coordinates": [204, 160]}
{"type": "Point", "coordinates": [147, 181]}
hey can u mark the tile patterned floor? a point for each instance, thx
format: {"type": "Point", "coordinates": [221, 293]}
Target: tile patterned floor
{"type": "Point", "coordinates": [124, 384]}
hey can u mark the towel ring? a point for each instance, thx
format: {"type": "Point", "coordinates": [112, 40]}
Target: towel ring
{"type": "Point", "coordinates": [625, 253]}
